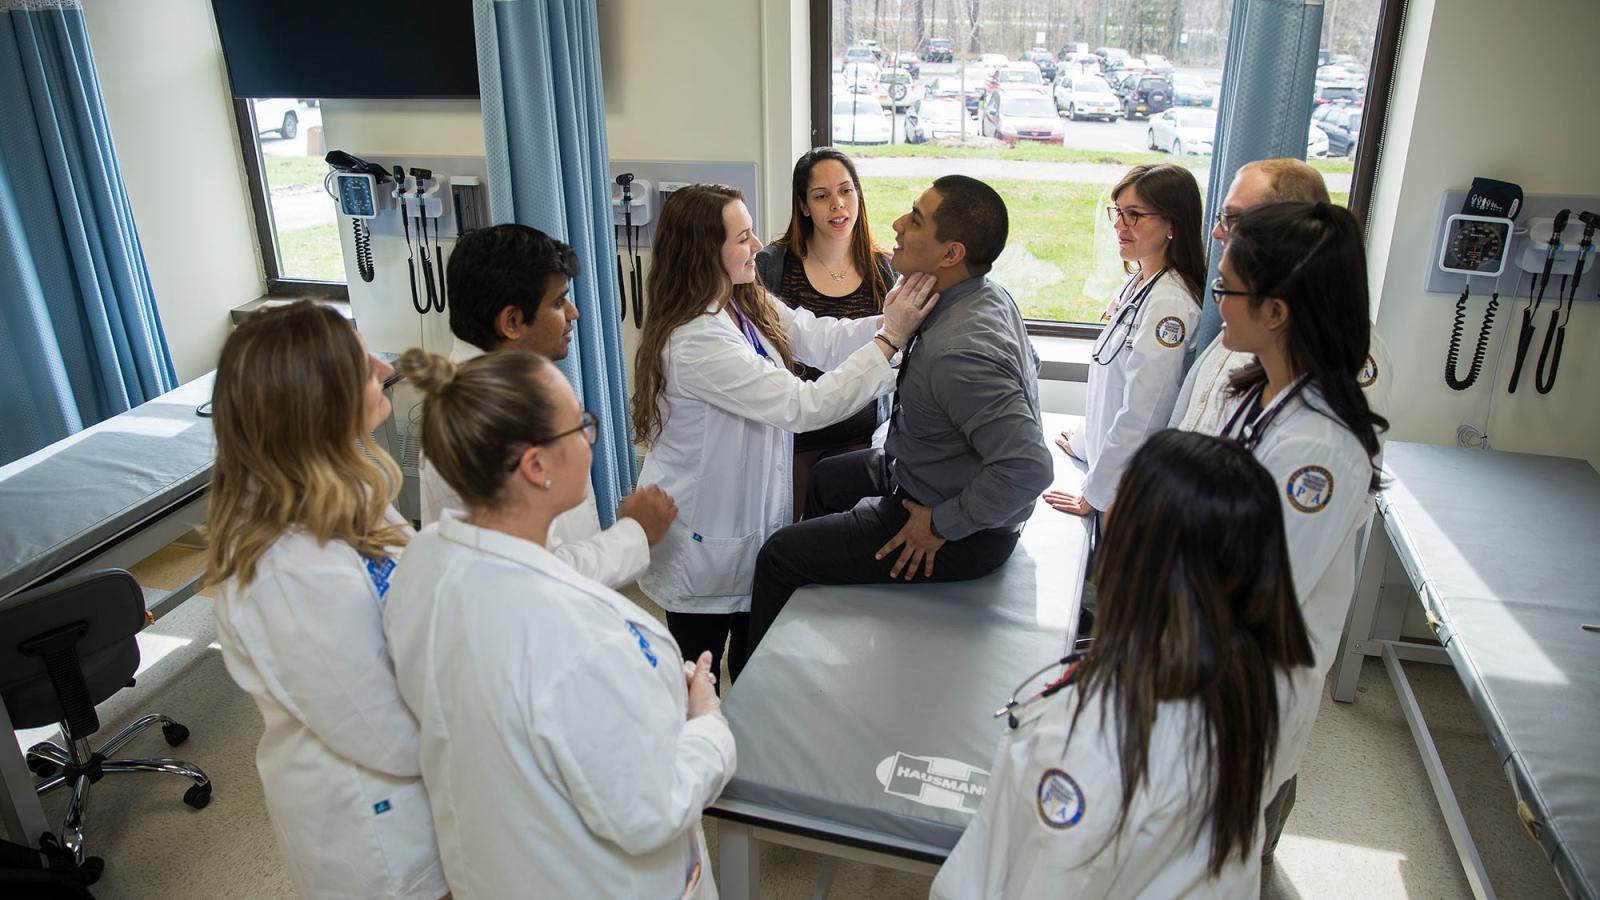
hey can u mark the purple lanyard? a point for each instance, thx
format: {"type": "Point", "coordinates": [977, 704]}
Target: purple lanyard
{"type": "Point", "coordinates": [749, 329]}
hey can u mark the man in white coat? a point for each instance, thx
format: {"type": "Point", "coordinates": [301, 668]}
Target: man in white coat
{"type": "Point", "coordinates": [509, 289]}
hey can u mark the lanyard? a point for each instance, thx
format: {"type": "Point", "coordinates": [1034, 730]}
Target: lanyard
{"type": "Point", "coordinates": [1251, 433]}
{"type": "Point", "coordinates": [1131, 307]}
{"type": "Point", "coordinates": [747, 328]}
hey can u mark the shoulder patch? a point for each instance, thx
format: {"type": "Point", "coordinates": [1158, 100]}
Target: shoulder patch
{"type": "Point", "coordinates": [1059, 800]}
{"type": "Point", "coordinates": [644, 644]}
{"type": "Point", "coordinates": [1309, 489]}
{"type": "Point", "coordinates": [1170, 331]}
{"type": "Point", "coordinates": [1368, 376]}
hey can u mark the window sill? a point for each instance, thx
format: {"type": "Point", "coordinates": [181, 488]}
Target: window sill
{"type": "Point", "coordinates": [272, 301]}
{"type": "Point", "coordinates": [1063, 358]}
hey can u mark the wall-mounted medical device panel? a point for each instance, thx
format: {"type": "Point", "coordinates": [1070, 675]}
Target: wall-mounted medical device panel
{"type": "Point", "coordinates": [1506, 259]}
{"type": "Point", "coordinates": [655, 180]}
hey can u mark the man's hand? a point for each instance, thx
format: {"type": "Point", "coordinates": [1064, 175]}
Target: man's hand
{"type": "Point", "coordinates": [916, 541]}
{"type": "Point", "coordinates": [1065, 443]}
{"type": "Point", "coordinates": [652, 508]}
{"type": "Point", "coordinates": [1068, 503]}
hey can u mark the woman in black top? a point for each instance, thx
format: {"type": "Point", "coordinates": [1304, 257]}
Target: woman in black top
{"type": "Point", "coordinates": [827, 262]}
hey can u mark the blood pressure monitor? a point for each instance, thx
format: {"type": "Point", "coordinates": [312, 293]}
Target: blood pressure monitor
{"type": "Point", "coordinates": [357, 192]}
{"type": "Point", "coordinates": [1475, 245]}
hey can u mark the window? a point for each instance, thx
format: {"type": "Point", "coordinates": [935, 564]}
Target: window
{"type": "Point", "coordinates": [296, 221]}
{"type": "Point", "coordinates": [1110, 102]}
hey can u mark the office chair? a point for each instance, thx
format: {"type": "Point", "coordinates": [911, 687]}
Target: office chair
{"type": "Point", "coordinates": [68, 646]}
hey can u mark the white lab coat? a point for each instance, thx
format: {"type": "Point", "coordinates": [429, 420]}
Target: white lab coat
{"type": "Point", "coordinates": [1024, 843]}
{"type": "Point", "coordinates": [554, 741]}
{"type": "Point", "coordinates": [1132, 396]}
{"type": "Point", "coordinates": [1204, 396]}
{"type": "Point", "coordinates": [726, 449]}
{"type": "Point", "coordinates": [613, 556]}
{"type": "Point", "coordinates": [339, 757]}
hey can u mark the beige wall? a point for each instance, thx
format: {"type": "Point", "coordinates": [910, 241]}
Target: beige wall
{"type": "Point", "coordinates": [1494, 89]}
{"type": "Point", "coordinates": [166, 95]}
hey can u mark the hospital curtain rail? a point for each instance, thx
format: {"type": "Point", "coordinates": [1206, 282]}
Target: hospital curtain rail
{"type": "Point", "coordinates": [80, 337]}
{"type": "Point", "coordinates": [544, 132]}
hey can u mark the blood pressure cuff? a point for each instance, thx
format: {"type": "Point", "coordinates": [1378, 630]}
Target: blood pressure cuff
{"type": "Point", "coordinates": [1488, 197]}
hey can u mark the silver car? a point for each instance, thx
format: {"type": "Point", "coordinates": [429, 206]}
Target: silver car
{"type": "Point", "coordinates": [1081, 96]}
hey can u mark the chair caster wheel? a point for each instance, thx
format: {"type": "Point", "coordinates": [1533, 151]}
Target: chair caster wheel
{"type": "Point", "coordinates": [42, 767]}
{"type": "Point", "coordinates": [91, 870]}
{"type": "Point", "coordinates": [198, 796]}
{"type": "Point", "coordinates": [174, 733]}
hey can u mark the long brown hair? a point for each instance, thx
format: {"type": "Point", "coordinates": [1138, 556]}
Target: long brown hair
{"type": "Point", "coordinates": [864, 251]}
{"type": "Point", "coordinates": [1173, 193]}
{"type": "Point", "coordinates": [1196, 606]}
{"type": "Point", "coordinates": [288, 409]}
{"type": "Point", "coordinates": [479, 416]}
{"type": "Point", "coordinates": [686, 276]}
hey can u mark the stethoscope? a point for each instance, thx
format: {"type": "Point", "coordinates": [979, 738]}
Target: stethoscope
{"type": "Point", "coordinates": [1130, 308]}
{"type": "Point", "coordinates": [1014, 707]}
{"type": "Point", "coordinates": [1252, 432]}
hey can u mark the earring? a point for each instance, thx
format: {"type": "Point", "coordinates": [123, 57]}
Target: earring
{"type": "Point", "coordinates": [547, 483]}
{"type": "Point", "coordinates": [1169, 237]}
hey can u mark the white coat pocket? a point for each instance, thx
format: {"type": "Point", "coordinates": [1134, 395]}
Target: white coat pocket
{"type": "Point", "coordinates": [719, 567]}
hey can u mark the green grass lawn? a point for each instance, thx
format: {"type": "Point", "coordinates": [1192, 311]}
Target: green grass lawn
{"type": "Point", "coordinates": [1037, 152]}
{"type": "Point", "coordinates": [294, 171]}
{"type": "Point", "coordinates": [311, 253]}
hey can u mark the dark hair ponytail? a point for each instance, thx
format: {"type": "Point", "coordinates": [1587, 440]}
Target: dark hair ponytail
{"type": "Point", "coordinates": [1310, 255]}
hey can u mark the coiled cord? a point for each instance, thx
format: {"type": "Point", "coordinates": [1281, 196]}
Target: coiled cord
{"type": "Point", "coordinates": [1479, 351]}
{"type": "Point", "coordinates": [363, 242]}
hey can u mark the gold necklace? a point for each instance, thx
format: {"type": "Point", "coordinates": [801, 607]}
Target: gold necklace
{"type": "Point", "coordinates": [836, 276]}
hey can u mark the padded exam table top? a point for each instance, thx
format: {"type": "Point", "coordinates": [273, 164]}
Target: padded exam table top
{"type": "Point", "coordinates": [866, 715]}
{"type": "Point", "coordinates": [1503, 550]}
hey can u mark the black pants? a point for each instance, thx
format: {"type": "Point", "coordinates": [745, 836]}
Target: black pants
{"type": "Point", "coordinates": [852, 510]}
{"type": "Point", "coordinates": [698, 632]}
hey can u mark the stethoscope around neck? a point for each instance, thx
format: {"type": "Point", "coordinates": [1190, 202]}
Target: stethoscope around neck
{"type": "Point", "coordinates": [1131, 308]}
{"type": "Point", "coordinates": [1251, 433]}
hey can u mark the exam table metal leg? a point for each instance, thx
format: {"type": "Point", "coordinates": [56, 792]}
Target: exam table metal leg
{"type": "Point", "coordinates": [20, 813]}
{"type": "Point", "coordinates": [1453, 820]}
{"type": "Point", "coordinates": [1359, 623]}
{"type": "Point", "coordinates": [739, 875]}
{"type": "Point", "coordinates": [830, 868]}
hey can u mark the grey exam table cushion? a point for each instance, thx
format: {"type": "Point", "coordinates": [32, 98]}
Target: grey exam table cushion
{"type": "Point", "coordinates": [866, 715]}
{"type": "Point", "coordinates": [1501, 548]}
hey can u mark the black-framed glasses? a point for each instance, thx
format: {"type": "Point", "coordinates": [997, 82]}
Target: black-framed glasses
{"type": "Point", "coordinates": [1226, 221]}
{"type": "Point", "coordinates": [589, 428]}
{"type": "Point", "coordinates": [1219, 290]}
{"type": "Point", "coordinates": [1131, 217]}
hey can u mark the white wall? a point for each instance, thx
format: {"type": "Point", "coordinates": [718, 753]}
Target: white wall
{"type": "Point", "coordinates": [165, 89]}
{"type": "Point", "coordinates": [1532, 122]}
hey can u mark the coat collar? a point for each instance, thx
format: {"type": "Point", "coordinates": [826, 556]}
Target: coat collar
{"type": "Point", "coordinates": [461, 351]}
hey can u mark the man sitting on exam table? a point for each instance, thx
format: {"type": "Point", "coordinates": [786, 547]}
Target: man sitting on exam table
{"type": "Point", "coordinates": [965, 459]}
{"type": "Point", "coordinates": [509, 290]}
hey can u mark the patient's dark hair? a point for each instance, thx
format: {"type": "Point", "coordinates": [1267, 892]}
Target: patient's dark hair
{"type": "Point", "coordinates": [496, 267]}
{"type": "Point", "coordinates": [972, 214]}
{"type": "Point", "coordinates": [1196, 606]}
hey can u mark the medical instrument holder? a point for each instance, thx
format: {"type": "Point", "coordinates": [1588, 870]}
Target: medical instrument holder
{"type": "Point", "coordinates": [641, 199]}
{"type": "Point", "coordinates": [1512, 283]}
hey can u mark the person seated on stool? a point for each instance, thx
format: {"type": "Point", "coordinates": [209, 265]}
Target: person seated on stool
{"type": "Point", "coordinates": [965, 460]}
{"type": "Point", "coordinates": [509, 289]}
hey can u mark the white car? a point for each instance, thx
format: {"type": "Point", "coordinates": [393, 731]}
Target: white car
{"type": "Point", "coordinates": [1190, 131]}
{"type": "Point", "coordinates": [277, 116]}
{"type": "Point", "coordinates": [1019, 73]}
{"type": "Point", "coordinates": [903, 90]}
{"type": "Point", "coordinates": [1084, 96]}
{"type": "Point", "coordinates": [1021, 113]}
{"type": "Point", "coordinates": [860, 119]}
{"type": "Point", "coordinates": [931, 118]}
{"type": "Point", "coordinates": [992, 60]}
{"type": "Point", "coordinates": [1317, 144]}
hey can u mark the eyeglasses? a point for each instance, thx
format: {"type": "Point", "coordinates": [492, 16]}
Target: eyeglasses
{"type": "Point", "coordinates": [589, 428]}
{"type": "Point", "coordinates": [1226, 221]}
{"type": "Point", "coordinates": [1218, 291]}
{"type": "Point", "coordinates": [1131, 217]}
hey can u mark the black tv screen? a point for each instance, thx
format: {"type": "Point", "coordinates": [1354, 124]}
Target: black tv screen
{"type": "Point", "coordinates": [348, 50]}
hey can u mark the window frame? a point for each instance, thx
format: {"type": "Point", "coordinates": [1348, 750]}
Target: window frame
{"type": "Point", "coordinates": [254, 162]}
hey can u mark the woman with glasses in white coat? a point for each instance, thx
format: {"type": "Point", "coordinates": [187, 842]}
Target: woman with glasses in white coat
{"type": "Point", "coordinates": [717, 401]}
{"type": "Point", "coordinates": [1136, 367]}
{"type": "Point", "coordinates": [567, 749]}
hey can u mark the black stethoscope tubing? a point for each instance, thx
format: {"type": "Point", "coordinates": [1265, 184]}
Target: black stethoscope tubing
{"type": "Point", "coordinates": [1252, 433]}
{"type": "Point", "coordinates": [1131, 307]}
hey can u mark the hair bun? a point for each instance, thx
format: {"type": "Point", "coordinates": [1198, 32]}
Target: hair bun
{"type": "Point", "coordinates": [430, 372]}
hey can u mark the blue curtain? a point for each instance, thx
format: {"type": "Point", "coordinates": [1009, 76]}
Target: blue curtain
{"type": "Point", "coordinates": [80, 338]}
{"type": "Point", "coordinates": [544, 128]}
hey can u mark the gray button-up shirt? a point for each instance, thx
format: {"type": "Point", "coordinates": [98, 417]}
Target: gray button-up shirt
{"type": "Point", "coordinates": [967, 437]}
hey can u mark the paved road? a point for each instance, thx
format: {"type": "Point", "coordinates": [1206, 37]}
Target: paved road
{"type": "Point", "coordinates": [1028, 170]}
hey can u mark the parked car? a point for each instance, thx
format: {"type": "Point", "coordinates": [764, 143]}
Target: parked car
{"type": "Point", "coordinates": [1327, 94]}
{"type": "Point", "coordinates": [1157, 64]}
{"type": "Point", "coordinates": [1080, 63]}
{"type": "Point", "coordinates": [1021, 113]}
{"type": "Point", "coordinates": [1342, 125]}
{"type": "Point", "coordinates": [1190, 90]}
{"type": "Point", "coordinates": [992, 60]}
{"type": "Point", "coordinates": [1041, 57]}
{"type": "Point", "coordinates": [1181, 131]}
{"type": "Point", "coordinates": [859, 54]}
{"type": "Point", "coordinates": [877, 52]}
{"type": "Point", "coordinates": [901, 87]}
{"type": "Point", "coordinates": [1316, 143]}
{"type": "Point", "coordinates": [908, 61]}
{"type": "Point", "coordinates": [940, 50]}
{"type": "Point", "coordinates": [1107, 54]}
{"type": "Point", "coordinates": [1083, 96]}
{"type": "Point", "coordinates": [1144, 95]}
{"type": "Point", "coordinates": [1118, 69]}
{"type": "Point", "coordinates": [1072, 48]}
{"type": "Point", "coordinates": [1341, 76]}
{"type": "Point", "coordinates": [1014, 73]}
{"type": "Point", "coordinates": [976, 77]}
{"type": "Point", "coordinates": [931, 118]}
{"type": "Point", "coordinates": [277, 116]}
{"type": "Point", "coordinates": [859, 119]}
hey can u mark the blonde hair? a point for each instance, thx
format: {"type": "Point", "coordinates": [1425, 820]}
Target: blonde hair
{"type": "Point", "coordinates": [288, 410]}
{"type": "Point", "coordinates": [1290, 179]}
{"type": "Point", "coordinates": [478, 417]}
